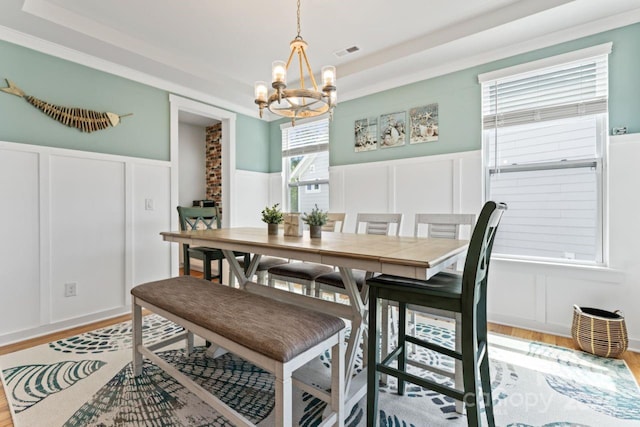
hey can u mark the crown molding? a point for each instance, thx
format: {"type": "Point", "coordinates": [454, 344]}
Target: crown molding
{"type": "Point", "coordinates": [548, 40]}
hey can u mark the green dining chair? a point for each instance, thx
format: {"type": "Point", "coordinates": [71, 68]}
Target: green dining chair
{"type": "Point", "coordinates": [465, 294]}
{"type": "Point", "coordinates": [202, 218]}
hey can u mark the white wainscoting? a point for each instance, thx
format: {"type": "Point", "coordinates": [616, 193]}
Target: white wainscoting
{"type": "Point", "coordinates": [443, 183]}
{"type": "Point", "coordinates": [536, 296]}
{"type": "Point", "coordinates": [38, 185]}
{"type": "Point", "coordinates": [76, 217]}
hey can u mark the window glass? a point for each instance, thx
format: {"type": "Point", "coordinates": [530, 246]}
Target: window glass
{"type": "Point", "coordinates": [305, 153]}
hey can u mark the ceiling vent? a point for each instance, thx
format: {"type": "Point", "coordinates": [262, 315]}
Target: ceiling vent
{"type": "Point", "coordinates": [347, 51]}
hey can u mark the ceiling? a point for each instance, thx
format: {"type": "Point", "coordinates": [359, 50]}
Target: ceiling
{"type": "Point", "coordinates": [220, 48]}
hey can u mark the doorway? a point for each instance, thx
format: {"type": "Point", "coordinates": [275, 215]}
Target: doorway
{"type": "Point", "coordinates": [191, 113]}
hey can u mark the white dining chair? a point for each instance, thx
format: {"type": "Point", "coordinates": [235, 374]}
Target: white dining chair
{"type": "Point", "coordinates": [375, 223]}
{"type": "Point", "coordinates": [305, 273]}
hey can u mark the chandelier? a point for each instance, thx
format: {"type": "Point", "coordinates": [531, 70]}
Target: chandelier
{"type": "Point", "coordinates": [301, 102]}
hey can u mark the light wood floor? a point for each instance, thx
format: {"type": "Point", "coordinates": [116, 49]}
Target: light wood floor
{"type": "Point", "coordinates": [632, 359]}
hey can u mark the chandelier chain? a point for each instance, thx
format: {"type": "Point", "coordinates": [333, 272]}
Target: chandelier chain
{"type": "Point", "coordinates": [298, 19]}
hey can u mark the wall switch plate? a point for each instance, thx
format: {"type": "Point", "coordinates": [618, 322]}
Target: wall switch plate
{"type": "Point", "coordinates": [70, 289]}
{"type": "Point", "coordinates": [148, 204]}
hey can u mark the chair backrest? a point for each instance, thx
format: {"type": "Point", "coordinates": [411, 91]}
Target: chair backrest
{"type": "Point", "coordinates": [335, 222]}
{"type": "Point", "coordinates": [476, 265]}
{"type": "Point", "coordinates": [445, 226]}
{"type": "Point", "coordinates": [379, 223]}
{"type": "Point", "coordinates": [196, 218]}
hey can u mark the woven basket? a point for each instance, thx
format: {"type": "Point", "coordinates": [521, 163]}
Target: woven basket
{"type": "Point", "coordinates": [599, 332]}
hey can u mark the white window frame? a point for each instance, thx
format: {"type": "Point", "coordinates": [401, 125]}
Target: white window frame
{"type": "Point", "coordinates": [600, 162]}
{"type": "Point", "coordinates": [286, 173]}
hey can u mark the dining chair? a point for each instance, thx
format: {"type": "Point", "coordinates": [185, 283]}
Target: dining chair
{"type": "Point", "coordinates": [464, 294]}
{"type": "Point", "coordinates": [378, 223]}
{"type": "Point", "coordinates": [305, 273]}
{"type": "Point", "coordinates": [442, 226]}
{"type": "Point", "coordinates": [202, 218]}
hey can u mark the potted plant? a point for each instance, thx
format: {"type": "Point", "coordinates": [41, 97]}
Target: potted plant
{"type": "Point", "coordinates": [316, 219]}
{"type": "Point", "coordinates": [272, 216]}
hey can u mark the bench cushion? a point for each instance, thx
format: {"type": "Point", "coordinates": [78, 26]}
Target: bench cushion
{"type": "Point", "coordinates": [275, 329]}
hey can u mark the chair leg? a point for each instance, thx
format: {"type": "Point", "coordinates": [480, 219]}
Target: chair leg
{"type": "Point", "coordinates": [373, 358]}
{"type": "Point", "coordinates": [262, 277]}
{"type": "Point", "coordinates": [384, 335]}
{"type": "Point", "coordinates": [414, 324]}
{"type": "Point", "coordinates": [486, 390]}
{"type": "Point", "coordinates": [206, 267]}
{"type": "Point", "coordinates": [402, 335]}
{"type": "Point", "coordinates": [186, 262]}
{"type": "Point", "coordinates": [469, 372]}
{"type": "Point", "coordinates": [219, 275]}
{"type": "Point", "coordinates": [485, 374]}
{"type": "Point", "coordinates": [310, 288]}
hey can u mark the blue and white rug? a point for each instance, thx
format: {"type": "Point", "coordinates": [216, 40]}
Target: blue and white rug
{"type": "Point", "coordinates": [86, 381]}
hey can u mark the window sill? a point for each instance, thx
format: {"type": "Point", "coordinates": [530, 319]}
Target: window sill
{"type": "Point", "coordinates": [575, 271]}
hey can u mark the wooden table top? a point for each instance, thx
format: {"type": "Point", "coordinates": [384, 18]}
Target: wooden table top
{"type": "Point", "coordinates": [408, 256]}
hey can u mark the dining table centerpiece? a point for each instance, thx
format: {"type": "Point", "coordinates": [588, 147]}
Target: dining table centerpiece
{"type": "Point", "coordinates": [315, 219]}
{"type": "Point", "coordinates": [273, 216]}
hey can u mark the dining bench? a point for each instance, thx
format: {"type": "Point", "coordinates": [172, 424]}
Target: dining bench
{"type": "Point", "coordinates": [276, 336]}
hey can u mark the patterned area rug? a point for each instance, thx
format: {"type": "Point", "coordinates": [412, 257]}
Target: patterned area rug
{"type": "Point", "coordinates": [86, 381]}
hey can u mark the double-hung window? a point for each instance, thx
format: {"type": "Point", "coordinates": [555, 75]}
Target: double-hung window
{"type": "Point", "coordinates": [305, 163]}
{"type": "Point", "coordinates": [544, 146]}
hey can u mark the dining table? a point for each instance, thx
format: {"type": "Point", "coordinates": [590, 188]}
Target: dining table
{"type": "Point", "coordinates": [411, 257]}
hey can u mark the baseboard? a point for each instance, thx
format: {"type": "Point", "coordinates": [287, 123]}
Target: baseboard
{"type": "Point", "coordinates": [30, 333]}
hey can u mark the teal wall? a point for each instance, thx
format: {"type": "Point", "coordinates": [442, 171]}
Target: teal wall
{"type": "Point", "coordinates": [252, 144]}
{"type": "Point", "coordinates": [458, 98]}
{"type": "Point", "coordinates": [65, 83]}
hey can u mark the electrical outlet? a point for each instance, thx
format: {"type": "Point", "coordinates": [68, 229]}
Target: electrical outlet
{"type": "Point", "coordinates": [70, 289]}
{"type": "Point", "coordinates": [148, 204]}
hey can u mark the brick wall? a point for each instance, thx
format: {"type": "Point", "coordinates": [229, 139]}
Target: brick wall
{"type": "Point", "coordinates": [214, 164]}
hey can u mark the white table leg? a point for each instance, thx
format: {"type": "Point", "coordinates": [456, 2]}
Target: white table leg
{"type": "Point", "coordinates": [358, 325]}
{"type": "Point", "coordinates": [238, 271]}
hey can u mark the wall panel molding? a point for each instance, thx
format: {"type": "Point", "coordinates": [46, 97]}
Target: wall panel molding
{"type": "Point", "coordinates": [78, 217]}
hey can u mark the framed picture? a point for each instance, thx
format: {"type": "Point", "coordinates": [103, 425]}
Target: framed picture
{"type": "Point", "coordinates": [392, 130]}
{"type": "Point", "coordinates": [424, 124]}
{"type": "Point", "coordinates": [366, 133]}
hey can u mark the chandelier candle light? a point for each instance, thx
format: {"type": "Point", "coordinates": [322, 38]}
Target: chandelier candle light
{"type": "Point", "coordinates": [300, 102]}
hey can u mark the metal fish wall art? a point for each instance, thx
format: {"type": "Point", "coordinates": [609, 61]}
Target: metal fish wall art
{"type": "Point", "coordinates": [80, 118]}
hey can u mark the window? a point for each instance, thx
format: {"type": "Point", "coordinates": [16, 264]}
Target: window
{"type": "Point", "coordinates": [305, 162]}
{"type": "Point", "coordinates": [544, 145]}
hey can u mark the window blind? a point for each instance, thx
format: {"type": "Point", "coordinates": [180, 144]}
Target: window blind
{"type": "Point", "coordinates": [571, 90]}
{"type": "Point", "coordinates": [305, 138]}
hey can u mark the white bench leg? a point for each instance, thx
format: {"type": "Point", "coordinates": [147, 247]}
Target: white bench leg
{"type": "Point", "coordinates": [137, 338]}
{"type": "Point", "coordinates": [189, 348]}
{"type": "Point", "coordinates": [284, 397]}
{"type": "Point", "coordinates": [338, 392]}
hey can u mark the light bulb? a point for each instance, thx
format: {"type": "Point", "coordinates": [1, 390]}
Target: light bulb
{"type": "Point", "coordinates": [329, 75]}
{"type": "Point", "coordinates": [279, 72]}
{"type": "Point", "coordinates": [261, 91]}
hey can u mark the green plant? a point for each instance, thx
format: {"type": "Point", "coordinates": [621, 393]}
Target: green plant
{"type": "Point", "coordinates": [272, 215]}
{"type": "Point", "coordinates": [316, 217]}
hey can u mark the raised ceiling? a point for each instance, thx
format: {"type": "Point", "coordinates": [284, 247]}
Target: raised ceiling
{"type": "Point", "coordinates": [220, 48]}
